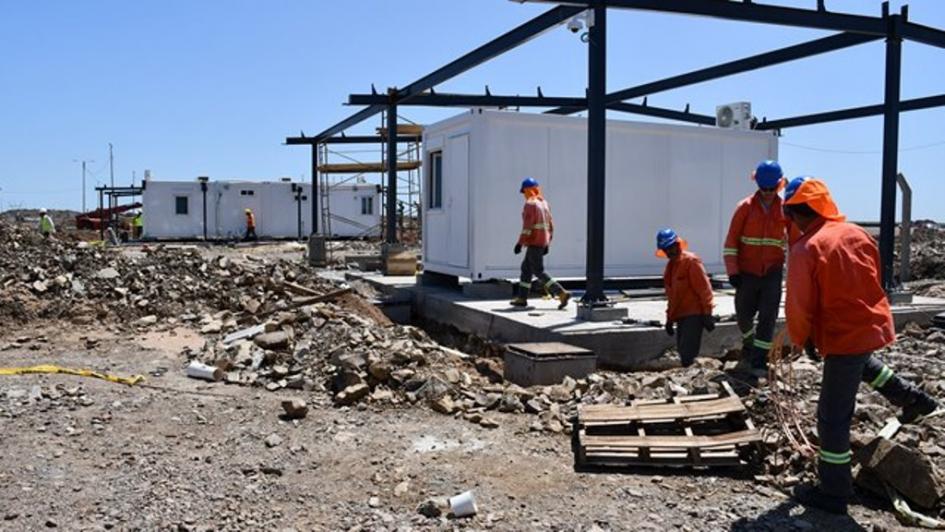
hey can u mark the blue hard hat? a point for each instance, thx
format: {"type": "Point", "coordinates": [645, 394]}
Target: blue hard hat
{"type": "Point", "coordinates": [666, 238]}
{"type": "Point", "coordinates": [528, 182]}
{"type": "Point", "coordinates": [768, 174]}
{"type": "Point", "coordinates": [792, 187]}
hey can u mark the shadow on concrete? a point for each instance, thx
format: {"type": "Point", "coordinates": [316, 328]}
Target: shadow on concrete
{"type": "Point", "coordinates": [780, 518]}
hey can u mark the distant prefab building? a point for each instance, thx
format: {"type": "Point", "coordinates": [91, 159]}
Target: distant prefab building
{"type": "Point", "coordinates": [184, 209]}
{"type": "Point", "coordinates": [658, 175]}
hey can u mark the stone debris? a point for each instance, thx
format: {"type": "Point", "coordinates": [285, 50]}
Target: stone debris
{"type": "Point", "coordinates": [295, 408]}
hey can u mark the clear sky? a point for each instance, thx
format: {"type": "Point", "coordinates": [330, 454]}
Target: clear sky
{"type": "Point", "coordinates": [213, 87]}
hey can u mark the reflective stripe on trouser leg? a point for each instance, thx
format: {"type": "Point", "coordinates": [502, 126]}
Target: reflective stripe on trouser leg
{"type": "Point", "coordinates": [894, 388]}
{"type": "Point", "coordinates": [835, 407]}
{"type": "Point", "coordinates": [551, 285]}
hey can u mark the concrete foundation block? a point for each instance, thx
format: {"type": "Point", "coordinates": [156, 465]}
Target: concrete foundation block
{"type": "Point", "coordinates": [544, 363]}
{"type": "Point", "coordinates": [317, 251]}
{"type": "Point", "coordinates": [396, 260]}
{"type": "Point", "coordinates": [602, 313]}
{"type": "Point", "coordinates": [488, 290]}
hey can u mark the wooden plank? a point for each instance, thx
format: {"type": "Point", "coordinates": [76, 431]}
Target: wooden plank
{"type": "Point", "coordinates": [357, 168]}
{"type": "Point", "coordinates": [675, 442]}
{"type": "Point", "coordinates": [403, 130]}
{"type": "Point", "coordinates": [694, 451]}
{"type": "Point", "coordinates": [606, 413]}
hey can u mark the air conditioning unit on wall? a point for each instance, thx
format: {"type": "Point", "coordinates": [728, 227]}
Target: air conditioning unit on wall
{"type": "Point", "coordinates": [734, 116]}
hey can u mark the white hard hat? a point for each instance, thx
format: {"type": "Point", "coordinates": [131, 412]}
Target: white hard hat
{"type": "Point", "coordinates": [42, 211]}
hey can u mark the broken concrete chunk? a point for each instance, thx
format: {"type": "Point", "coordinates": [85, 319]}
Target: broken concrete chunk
{"type": "Point", "coordinates": [273, 440]}
{"type": "Point", "coordinates": [107, 273]}
{"type": "Point", "coordinates": [444, 405]}
{"type": "Point", "coordinates": [276, 340]}
{"type": "Point", "coordinates": [295, 408]}
{"type": "Point", "coordinates": [352, 394]}
{"type": "Point", "coordinates": [906, 470]}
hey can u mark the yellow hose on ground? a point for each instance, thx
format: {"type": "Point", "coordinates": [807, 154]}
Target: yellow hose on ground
{"type": "Point", "coordinates": [49, 368]}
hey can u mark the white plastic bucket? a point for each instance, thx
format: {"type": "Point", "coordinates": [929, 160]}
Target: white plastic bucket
{"type": "Point", "coordinates": [199, 370]}
{"type": "Point", "coordinates": [463, 505]}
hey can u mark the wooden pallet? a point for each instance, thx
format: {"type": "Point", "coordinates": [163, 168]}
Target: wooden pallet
{"type": "Point", "coordinates": [695, 431]}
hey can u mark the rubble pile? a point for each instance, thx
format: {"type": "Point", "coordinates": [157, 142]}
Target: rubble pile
{"type": "Point", "coordinates": [928, 251]}
{"type": "Point", "coordinates": [74, 280]}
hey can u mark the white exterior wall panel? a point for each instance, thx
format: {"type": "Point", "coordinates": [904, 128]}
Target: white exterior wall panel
{"type": "Point", "coordinates": [685, 177]}
{"type": "Point", "coordinates": [273, 204]}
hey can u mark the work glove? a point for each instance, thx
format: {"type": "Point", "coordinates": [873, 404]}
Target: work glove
{"type": "Point", "coordinates": [735, 280]}
{"type": "Point", "coordinates": [812, 351]}
{"type": "Point", "coordinates": [544, 251]}
{"type": "Point", "coordinates": [669, 328]}
{"type": "Point", "coordinates": [708, 322]}
{"type": "Point", "coordinates": [518, 248]}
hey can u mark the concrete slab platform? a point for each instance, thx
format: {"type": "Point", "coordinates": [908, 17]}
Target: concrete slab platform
{"type": "Point", "coordinates": [623, 344]}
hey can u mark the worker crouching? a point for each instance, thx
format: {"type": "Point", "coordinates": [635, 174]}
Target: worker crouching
{"type": "Point", "coordinates": [537, 233]}
{"type": "Point", "coordinates": [688, 294]}
{"type": "Point", "coordinates": [835, 300]}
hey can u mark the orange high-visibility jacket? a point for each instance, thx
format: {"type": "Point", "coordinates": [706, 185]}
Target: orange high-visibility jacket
{"type": "Point", "coordinates": [688, 289]}
{"type": "Point", "coordinates": [537, 226]}
{"type": "Point", "coordinates": [756, 237]}
{"type": "Point", "coordinates": [834, 292]}
{"type": "Point", "coordinates": [250, 221]}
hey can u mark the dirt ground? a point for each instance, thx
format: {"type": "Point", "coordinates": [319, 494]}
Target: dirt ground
{"type": "Point", "coordinates": [177, 453]}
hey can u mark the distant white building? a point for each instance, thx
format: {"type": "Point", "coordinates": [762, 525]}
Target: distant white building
{"type": "Point", "coordinates": [175, 209]}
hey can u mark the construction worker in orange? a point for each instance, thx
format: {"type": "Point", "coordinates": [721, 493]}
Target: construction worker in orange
{"type": "Point", "coordinates": [250, 226]}
{"type": "Point", "coordinates": [835, 300]}
{"type": "Point", "coordinates": [754, 260]}
{"type": "Point", "coordinates": [688, 295]}
{"type": "Point", "coordinates": [537, 233]}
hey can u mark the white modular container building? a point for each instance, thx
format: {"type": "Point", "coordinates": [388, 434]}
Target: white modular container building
{"type": "Point", "coordinates": [174, 210]}
{"type": "Point", "coordinates": [686, 177]}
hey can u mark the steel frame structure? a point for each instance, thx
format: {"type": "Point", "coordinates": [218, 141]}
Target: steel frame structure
{"type": "Point", "coordinates": [853, 30]}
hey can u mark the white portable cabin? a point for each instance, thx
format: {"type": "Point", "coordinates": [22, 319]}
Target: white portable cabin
{"type": "Point", "coordinates": [685, 177]}
{"type": "Point", "coordinates": [174, 209]}
{"type": "Point", "coordinates": [355, 211]}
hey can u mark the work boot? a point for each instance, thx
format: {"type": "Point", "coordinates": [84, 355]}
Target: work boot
{"type": "Point", "coordinates": [916, 411]}
{"type": "Point", "coordinates": [812, 496]}
{"type": "Point", "coordinates": [519, 301]}
{"type": "Point", "coordinates": [563, 299]}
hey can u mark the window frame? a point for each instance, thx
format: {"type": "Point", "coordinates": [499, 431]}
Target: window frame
{"type": "Point", "coordinates": [177, 205]}
{"type": "Point", "coordinates": [435, 181]}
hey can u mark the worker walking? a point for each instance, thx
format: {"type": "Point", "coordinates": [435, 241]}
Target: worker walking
{"type": "Point", "coordinates": [250, 226]}
{"type": "Point", "coordinates": [754, 260]}
{"type": "Point", "coordinates": [46, 225]}
{"type": "Point", "coordinates": [688, 295]}
{"type": "Point", "coordinates": [536, 235]}
{"type": "Point", "coordinates": [836, 301]}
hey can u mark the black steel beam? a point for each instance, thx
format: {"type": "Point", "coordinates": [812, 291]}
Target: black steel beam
{"type": "Point", "coordinates": [887, 214]}
{"type": "Point", "coordinates": [356, 139]}
{"type": "Point", "coordinates": [923, 34]}
{"type": "Point", "coordinates": [470, 100]}
{"type": "Point", "coordinates": [596, 155]}
{"type": "Point", "coordinates": [851, 113]}
{"type": "Point", "coordinates": [490, 100]}
{"type": "Point", "coordinates": [493, 48]}
{"type": "Point", "coordinates": [749, 12]}
{"type": "Point", "coordinates": [314, 189]}
{"type": "Point", "coordinates": [649, 110]}
{"type": "Point", "coordinates": [774, 57]}
{"type": "Point", "coordinates": [391, 175]}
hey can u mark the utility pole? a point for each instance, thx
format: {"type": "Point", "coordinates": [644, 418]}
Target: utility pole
{"type": "Point", "coordinates": [84, 162]}
{"type": "Point", "coordinates": [111, 164]}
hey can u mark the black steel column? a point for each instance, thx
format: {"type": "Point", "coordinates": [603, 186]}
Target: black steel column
{"type": "Point", "coordinates": [101, 215]}
{"type": "Point", "coordinates": [596, 151]}
{"type": "Point", "coordinates": [203, 189]}
{"type": "Point", "coordinates": [314, 189]}
{"type": "Point", "coordinates": [392, 170]}
{"type": "Point", "coordinates": [887, 217]}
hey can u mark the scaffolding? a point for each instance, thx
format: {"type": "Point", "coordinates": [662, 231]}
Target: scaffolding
{"type": "Point", "coordinates": [340, 167]}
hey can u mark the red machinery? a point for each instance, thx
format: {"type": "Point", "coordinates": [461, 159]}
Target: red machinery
{"type": "Point", "coordinates": [95, 219]}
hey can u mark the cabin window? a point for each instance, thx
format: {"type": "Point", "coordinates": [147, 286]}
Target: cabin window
{"type": "Point", "coordinates": [435, 181]}
{"type": "Point", "coordinates": [180, 204]}
{"type": "Point", "coordinates": [367, 205]}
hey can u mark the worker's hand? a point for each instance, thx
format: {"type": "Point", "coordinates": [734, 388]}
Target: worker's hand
{"type": "Point", "coordinates": [669, 328]}
{"type": "Point", "coordinates": [811, 351]}
{"type": "Point", "coordinates": [544, 251]}
{"type": "Point", "coordinates": [518, 248]}
{"type": "Point", "coordinates": [708, 322]}
{"type": "Point", "coordinates": [735, 280]}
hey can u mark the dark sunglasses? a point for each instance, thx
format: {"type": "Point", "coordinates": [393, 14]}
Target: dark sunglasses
{"type": "Point", "coordinates": [768, 189]}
